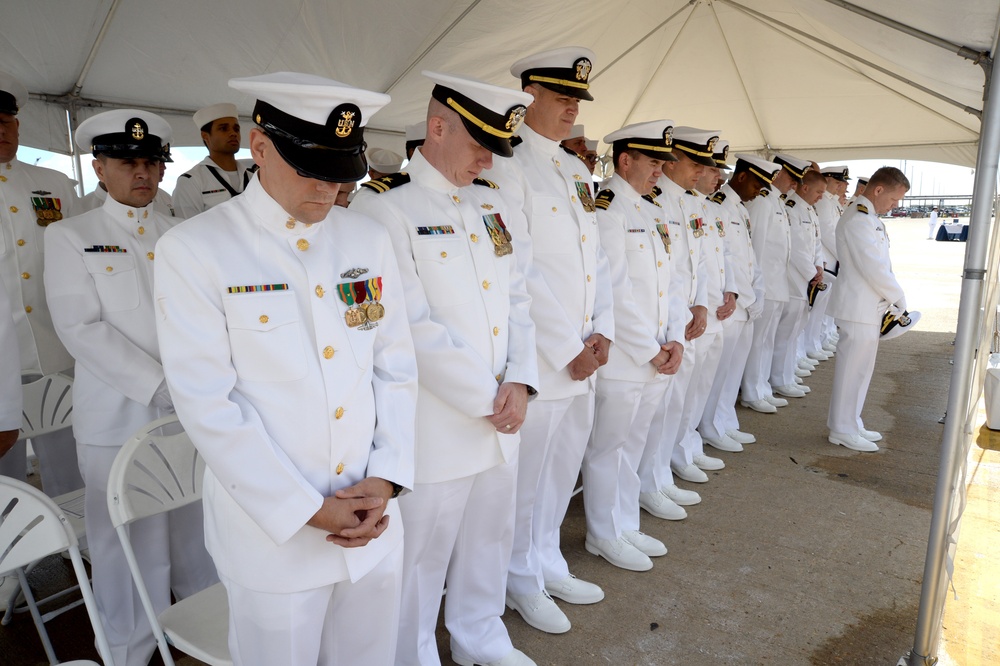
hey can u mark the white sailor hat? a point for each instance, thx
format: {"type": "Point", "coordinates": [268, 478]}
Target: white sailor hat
{"type": "Point", "coordinates": [721, 154]}
{"type": "Point", "coordinates": [564, 70]}
{"type": "Point", "coordinates": [384, 161]}
{"type": "Point", "coordinates": [793, 165]}
{"type": "Point", "coordinates": [316, 124]}
{"type": "Point", "coordinates": [894, 326]}
{"type": "Point", "coordinates": [126, 134]}
{"type": "Point", "coordinates": [862, 181]}
{"type": "Point", "coordinates": [577, 131]}
{"type": "Point", "coordinates": [697, 144]}
{"type": "Point", "coordinates": [13, 95]}
{"type": "Point", "coordinates": [654, 139]}
{"type": "Point", "coordinates": [212, 113]}
{"type": "Point", "coordinates": [591, 144]}
{"type": "Point", "coordinates": [757, 166]}
{"type": "Point", "coordinates": [839, 172]}
{"type": "Point", "coordinates": [491, 114]}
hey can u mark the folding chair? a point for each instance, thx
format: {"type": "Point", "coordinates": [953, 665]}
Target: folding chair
{"type": "Point", "coordinates": [48, 407]}
{"type": "Point", "coordinates": [158, 470]}
{"type": "Point", "coordinates": [33, 527]}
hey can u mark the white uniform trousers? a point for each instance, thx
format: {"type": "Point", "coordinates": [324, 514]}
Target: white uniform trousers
{"type": "Point", "coordinates": [707, 353]}
{"type": "Point", "coordinates": [622, 414]}
{"type": "Point", "coordinates": [758, 369]}
{"type": "Point", "coordinates": [553, 438]}
{"type": "Point", "coordinates": [720, 410]}
{"type": "Point", "coordinates": [457, 533]}
{"type": "Point", "coordinates": [654, 466]}
{"type": "Point", "coordinates": [815, 332]}
{"type": "Point", "coordinates": [333, 625]}
{"type": "Point", "coordinates": [170, 550]}
{"type": "Point", "coordinates": [852, 373]}
{"type": "Point", "coordinates": [786, 340]}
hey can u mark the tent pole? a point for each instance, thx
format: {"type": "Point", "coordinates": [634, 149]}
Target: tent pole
{"type": "Point", "coordinates": [957, 429]}
{"type": "Point", "coordinates": [78, 86]}
{"type": "Point", "coordinates": [72, 123]}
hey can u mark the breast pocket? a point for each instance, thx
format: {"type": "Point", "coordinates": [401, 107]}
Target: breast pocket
{"type": "Point", "coordinates": [265, 336]}
{"type": "Point", "coordinates": [553, 227]}
{"type": "Point", "coordinates": [116, 280]}
{"type": "Point", "coordinates": [441, 263]}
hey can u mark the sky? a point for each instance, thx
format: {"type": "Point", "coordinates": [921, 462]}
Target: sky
{"type": "Point", "coordinates": [926, 178]}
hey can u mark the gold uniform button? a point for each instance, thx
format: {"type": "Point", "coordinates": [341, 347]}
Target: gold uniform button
{"type": "Point", "coordinates": [555, 210]}
{"type": "Point", "coordinates": [588, 278]}
{"type": "Point", "coordinates": [3, 179]}
{"type": "Point", "coordinates": [339, 414]}
{"type": "Point", "coordinates": [145, 214]}
{"type": "Point", "coordinates": [263, 319]}
{"type": "Point", "coordinates": [557, 163]}
{"type": "Point", "coordinates": [587, 318]}
{"type": "Point", "coordinates": [499, 377]}
{"type": "Point", "coordinates": [150, 256]}
{"type": "Point", "coordinates": [455, 198]}
{"type": "Point", "coordinates": [659, 264]}
{"type": "Point", "coordinates": [109, 269]}
{"type": "Point", "coordinates": [27, 308]}
{"type": "Point", "coordinates": [290, 223]}
{"type": "Point", "coordinates": [583, 239]}
{"type": "Point", "coordinates": [319, 291]}
{"type": "Point", "coordinates": [486, 284]}
{"type": "Point", "coordinates": [722, 270]}
{"type": "Point", "coordinates": [642, 246]}
{"type": "Point", "coordinates": [716, 249]}
{"type": "Point", "coordinates": [130, 214]}
{"type": "Point", "coordinates": [661, 323]}
{"type": "Point", "coordinates": [28, 275]}
{"type": "Point", "coordinates": [142, 230]}
{"type": "Point", "coordinates": [573, 198]}
{"type": "Point", "coordinates": [302, 244]}
{"type": "Point", "coordinates": [691, 251]}
{"type": "Point", "coordinates": [661, 294]}
{"type": "Point", "coordinates": [13, 209]}
{"type": "Point", "coordinates": [444, 254]}
{"type": "Point", "coordinates": [328, 353]}
{"type": "Point", "coordinates": [496, 331]}
{"type": "Point", "coordinates": [20, 242]}
{"type": "Point", "coordinates": [340, 468]}
{"type": "Point", "coordinates": [474, 238]}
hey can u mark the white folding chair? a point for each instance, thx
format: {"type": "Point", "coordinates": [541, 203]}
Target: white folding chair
{"type": "Point", "coordinates": [33, 527]}
{"type": "Point", "coordinates": [158, 470]}
{"type": "Point", "coordinates": [48, 407]}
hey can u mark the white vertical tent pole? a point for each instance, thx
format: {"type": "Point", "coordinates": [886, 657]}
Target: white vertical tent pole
{"type": "Point", "coordinates": [71, 124]}
{"type": "Point", "coordinates": [956, 429]}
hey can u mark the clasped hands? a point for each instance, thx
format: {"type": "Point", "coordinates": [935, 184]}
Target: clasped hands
{"type": "Point", "coordinates": [594, 355]}
{"type": "Point", "coordinates": [354, 516]}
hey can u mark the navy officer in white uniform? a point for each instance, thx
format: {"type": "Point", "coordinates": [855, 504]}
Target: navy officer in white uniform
{"type": "Point", "coordinates": [286, 346]}
{"type": "Point", "coordinates": [99, 282]}
{"type": "Point", "coordinates": [558, 242]}
{"type": "Point", "coordinates": [469, 313]}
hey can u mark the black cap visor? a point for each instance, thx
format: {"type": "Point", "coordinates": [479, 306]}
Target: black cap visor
{"type": "Point", "coordinates": [123, 146]}
{"type": "Point", "coordinates": [320, 162]}
{"type": "Point", "coordinates": [8, 104]}
{"type": "Point", "coordinates": [558, 80]}
{"type": "Point", "coordinates": [490, 129]}
{"type": "Point", "coordinates": [696, 153]}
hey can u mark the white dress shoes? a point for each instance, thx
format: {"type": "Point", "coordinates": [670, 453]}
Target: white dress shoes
{"type": "Point", "coordinates": [762, 406]}
{"type": "Point", "coordinates": [741, 437]}
{"type": "Point", "coordinates": [513, 658]}
{"type": "Point", "coordinates": [789, 391]}
{"type": "Point", "coordinates": [680, 496]}
{"type": "Point", "coordinates": [724, 443]}
{"type": "Point", "coordinates": [799, 372]}
{"type": "Point", "coordinates": [690, 473]}
{"type": "Point", "coordinates": [708, 463]}
{"type": "Point", "coordinates": [646, 544]}
{"type": "Point", "coordinates": [830, 347]}
{"type": "Point", "coordinates": [818, 355]}
{"type": "Point", "coordinates": [659, 505]}
{"type": "Point", "coordinates": [540, 612]}
{"type": "Point", "coordinates": [619, 552]}
{"type": "Point", "coordinates": [871, 435]}
{"type": "Point", "coordinates": [853, 441]}
{"type": "Point", "coordinates": [802, 387]}
{"type": "Point", "coordinates": [572, 590]}
{"type": "Point", "coordinates": [776, 401]}
{"type": "Point", "coordinates": [810, 362]}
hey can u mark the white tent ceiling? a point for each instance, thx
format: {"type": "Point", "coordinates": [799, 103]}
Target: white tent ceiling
{"type": "Point", "coordinates": [804, 76]}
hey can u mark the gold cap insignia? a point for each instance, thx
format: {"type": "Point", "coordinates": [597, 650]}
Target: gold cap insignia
{"type": "Point", "coordinates": [137, 131]}
{"type": "Point", "coordinates": [583, 67]}
{"type": "Point", "coordinates": [711, 143]}
{"type": "Point", "coordinates": [345, 125]}
{"type": "Point", "coordinates": [668, 136]}
{"type": "Point", "coordinates": [515, 117]}
{"type": "Point", "coordinates": [725, 153]}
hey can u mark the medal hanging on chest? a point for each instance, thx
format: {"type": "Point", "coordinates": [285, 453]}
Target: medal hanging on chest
{"type": "Point", "coordinates": [498, 234]}
{"type": "Point", "coordinates": [697, 226]}
{"type": "Point", "coordinates": [373, 290]}
{"type": "Point", "coordinates": [721, 227]}
{"type": "Point", "coordinates": [355, 316]}
{"type": "Point", "coordinates": [664, 233]}
{"type": "Point", "coordinates": [586, 198]}
{"type": "Point", "coordinates": [47, 210]}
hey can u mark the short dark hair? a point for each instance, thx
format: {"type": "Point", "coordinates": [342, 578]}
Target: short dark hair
{"type": "Point", "coordinates": [812, 176]}
{"type": "Point", "coordinates": [889, 177]}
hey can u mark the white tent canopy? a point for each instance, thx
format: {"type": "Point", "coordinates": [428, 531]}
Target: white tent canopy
{"type": "Point", "coordinates": [803, 76]}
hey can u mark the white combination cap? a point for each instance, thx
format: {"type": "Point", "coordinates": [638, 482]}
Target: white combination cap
{"type": "Point", "coordinates": [697, 144]}
{"type": "Point", "coordinates": [564, 70]}
{"type": "Point", "coordinates": [125, 134]}
{"type": "Point", "coordinates": [653, 138]}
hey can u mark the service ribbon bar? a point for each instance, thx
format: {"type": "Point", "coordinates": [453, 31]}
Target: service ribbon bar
{"type": "Point", "coordinates": [105, 248]}
{"type": "Point", "coordinates": [252, 288]}
{"type": "Point", "coordinates": [435, 231]}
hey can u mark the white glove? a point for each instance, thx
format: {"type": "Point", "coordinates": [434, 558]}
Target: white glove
{"type": "Point", "coordinates": [161, 399]}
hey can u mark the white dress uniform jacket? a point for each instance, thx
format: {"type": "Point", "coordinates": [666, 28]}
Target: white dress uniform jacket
{"type": "Point", "coordinates": [866, 286]}
{"type": "Point", "coordinates": [10, 369]}
{"type": "Point", "coordinates": [469, 313]}
{"type": "Point", "coordinates": [636, 240]}
{"type": "Point", "coordinates": [771, 238]}
{"type": "Point", "coordinates": [30, 198]}
{"type": "Point", "coordinates": [829, 210]}
{"type": "Point", "coordinates": [743, 275]}
{"type": "Point", "coordinates": [804, 252]}
{"type": "Point", "coordinates": [207, 184]}
{"type": "Point", "coordinates": [163, 203]}
{"type": "Point", "coordinates": [569, 280]}
{"type": "Point", "coordinates": [98, 277]}
{"type": "Point", "coordinates": [285, 401]}
{"type": "Point", "coordinates": [713, 243]}
{"type": "Point", "coordinates": [682, 209]}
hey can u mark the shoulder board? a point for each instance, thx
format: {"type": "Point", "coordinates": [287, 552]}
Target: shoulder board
{"type": "Point", "coordinates": [783, 197]}
{"type": "Point", "coordinates": [657, 191]}
{"type": "Point", "coordinates": [718, 197]}
{"type": "Point", "coordinates": [651, 199]}
{"type": "Point", "coordinates": [764, 191]}
{"type": "Point", "coordinates": [516, 141]}
{"type": "Point", "coordinates": [691, 192]}
{"type": "Point", "coordinates": [863, 208]}
{"type": "Point", "coordinates": [184, 175]}
{"type": "Point", "coordinates": [604, 198]}
{"type": "Point", "coordinates": [486, 183]}
{"type": "Point", "coordinates": [790, 203]}
{"type": "Point", "coordinates": [388, 182]}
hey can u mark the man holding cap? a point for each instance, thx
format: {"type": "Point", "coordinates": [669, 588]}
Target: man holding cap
{"type": "Point", "coordinates": [285, 341]}
{"type": "Point", "coordinates": [220, 176]}
{"type": "Point", "coordinates": [99, 281]}
{"type": "Point", "coordinates": [649, 333]}
{"type": "Point", "coordinates": [468, 308]}
{"type": "Point", "coordinates": [31, 198]}
{"type": "Point", "coordinates": [557, 243]}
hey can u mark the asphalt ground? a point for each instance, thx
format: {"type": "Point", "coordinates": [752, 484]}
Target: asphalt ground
{"type": "Point", "coordinates": [801, 552]}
